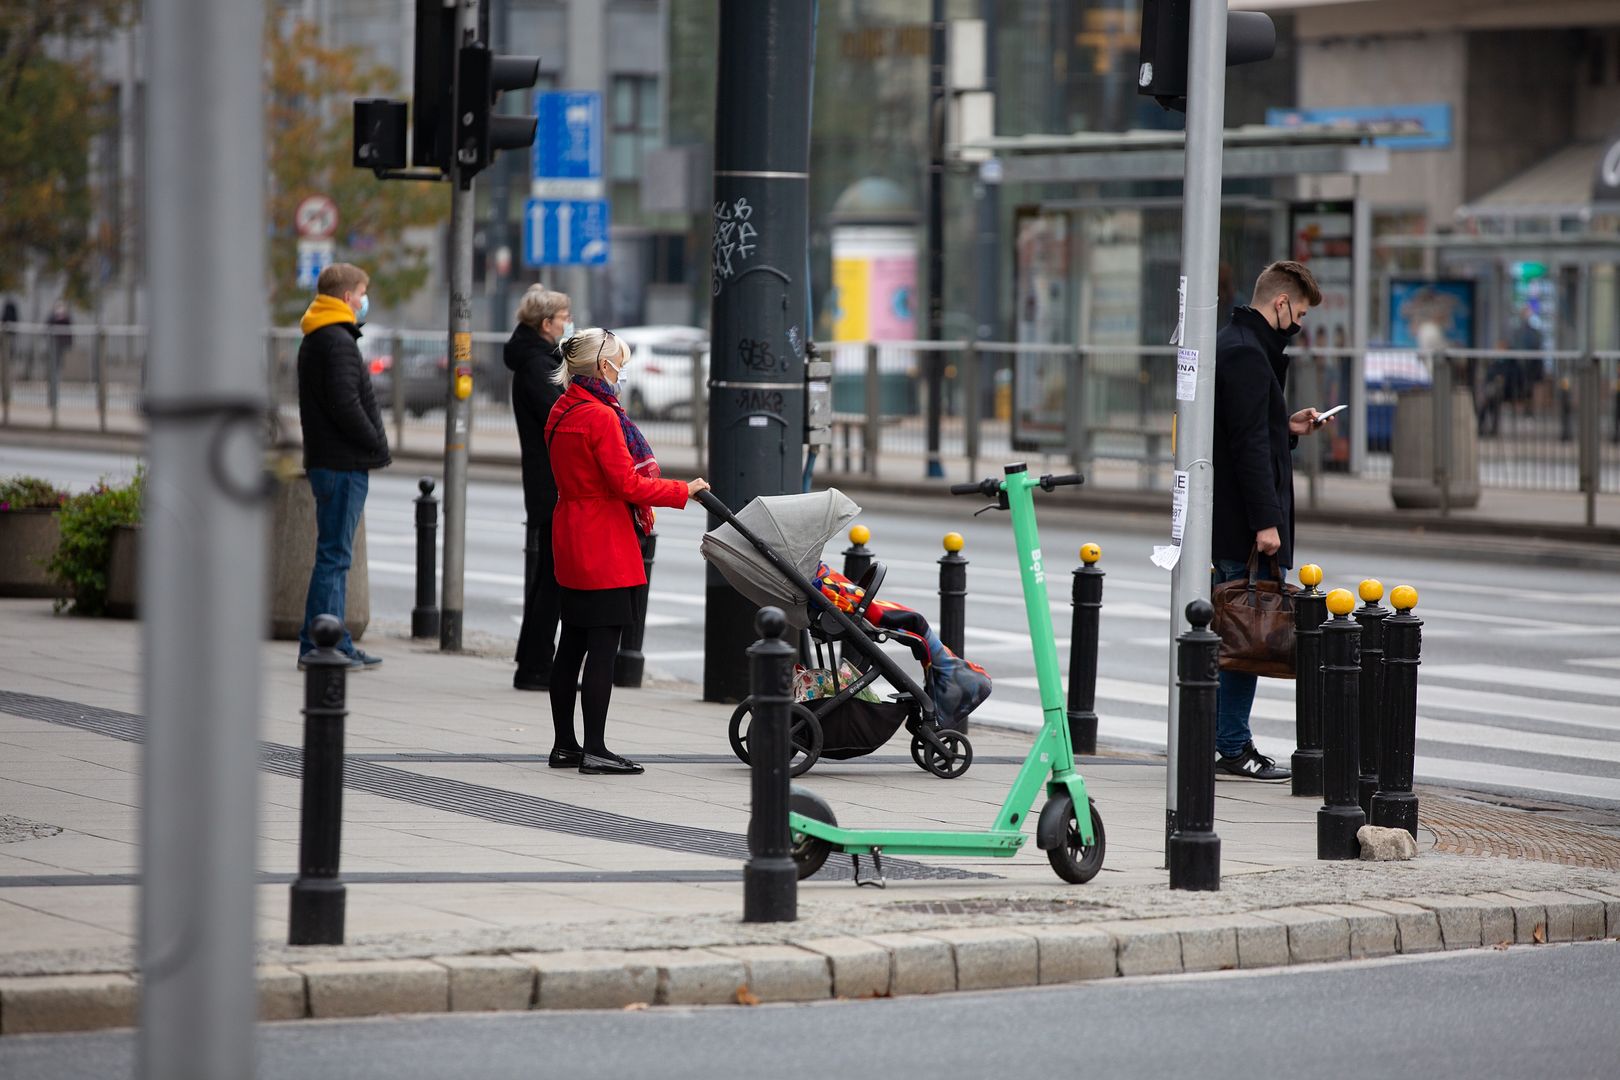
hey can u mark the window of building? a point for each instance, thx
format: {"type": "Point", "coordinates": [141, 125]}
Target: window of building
{"type": "Point", "coordinates": [636, 123]}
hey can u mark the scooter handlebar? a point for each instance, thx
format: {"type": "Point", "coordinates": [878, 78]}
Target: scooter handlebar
{"type": "Point", "coordinates": [982, 487]}
{"type": "Point", "coordinates": [1066, 480]}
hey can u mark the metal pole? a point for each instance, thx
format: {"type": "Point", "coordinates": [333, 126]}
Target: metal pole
{"type": "Point", "coordinates": [1371, 617]}
{"type": "Point", "coordinates": [98, 360]}
{"type": "Point", "coordinates": [458, 407]}
{"type": "Point", "coordinates": [953, 594]}
{"type": "Point", "coordinates": [770, 878]}
{"type": "Point", "coordinates": [934, 364]}
{"type": "Point", "coordinates": [987, 206]}
{"type": "Point", "coordinates": [1591, 449]}
{"type": "Point", "coordinates": [1361, 258]}
{"type": "Point", "coordinates": [1195, 851]}
{"type": "Point", "coordinates": [397, 395]}
{"type": "Point", "coordinates": [316, 901]}
{"type": "Point", "coordinates": [1086, 596]}
{"type": "Point", "coordinates": [760, 321]}
{"type": "Point", "coordinates": [425, 615]}
{"type": "Point", "coordinates": [1341, 816]}
{"type": "Point", "coordinates": [1442, 429]}
{"type": "Point", "coordinates": [1195, 420]}
{"type": "Point", "coordinates": [1394, 806]}
{"type": "Point", "coordinates": [203, 553]}
{"type": "Point", "coordinates": [1310, 611]}
{"type": "Point", "coordinates": [971, 407]}
{"type": "Point", "coordinates": [872, 432]}
{"type": "Point", "coordinates": [501, 176]}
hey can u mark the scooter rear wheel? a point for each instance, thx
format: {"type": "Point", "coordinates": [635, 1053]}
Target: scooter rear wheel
{"type": "Point", "coordinates": [804, 730]}
{"type": "Point", "coordinates": [1073, 860]}
{"type": "Point", "coordinates": [950, 764]}
{"type": "Point", "coordinates": [809, 852]}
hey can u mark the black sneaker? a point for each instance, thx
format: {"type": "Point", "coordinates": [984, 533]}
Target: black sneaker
{"type": "Point", "coordinates": [1251, 764]}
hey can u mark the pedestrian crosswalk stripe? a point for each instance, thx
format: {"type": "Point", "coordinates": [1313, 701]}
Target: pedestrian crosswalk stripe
{"type": "Point", "coordinates": [1528, 678]}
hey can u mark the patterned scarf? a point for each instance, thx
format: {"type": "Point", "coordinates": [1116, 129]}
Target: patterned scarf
{"type": "Point", "coordinates": [634, 441]}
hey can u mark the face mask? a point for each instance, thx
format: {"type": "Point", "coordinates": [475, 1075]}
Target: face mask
{"type": "Point", "coordinates": [360, 312]}
{"type": "Point", "coordinates": [568, 331]}
{"type": "Point", "coordinates": [1293, 328]}
{"type": "Point", "coordinates": [618, 374]}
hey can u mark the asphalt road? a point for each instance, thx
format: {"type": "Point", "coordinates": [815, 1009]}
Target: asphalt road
{"type": "Point", "coordinates": [1519, 688]}
{"type": "Point", "coordinates": [1526, 1013]}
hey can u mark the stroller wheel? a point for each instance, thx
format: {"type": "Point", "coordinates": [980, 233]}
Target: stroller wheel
{"type": "Point", "coordinates": [809, 853]}
{"type": "Point", "coordinates": [1072, 860]}
{"type": "Point", "coordinates": [805, 732]}
{"type": "Point", "coordinates": [947, 760]}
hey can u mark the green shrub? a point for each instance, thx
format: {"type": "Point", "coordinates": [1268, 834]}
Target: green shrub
{"type": "Point", "coordinates": [81, 559]}
{"type": "Point", "coordinates": [29, 493]}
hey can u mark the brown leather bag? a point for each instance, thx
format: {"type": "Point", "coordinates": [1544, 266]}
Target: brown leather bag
{"type": "Point", "coordinates": [1255, 621]}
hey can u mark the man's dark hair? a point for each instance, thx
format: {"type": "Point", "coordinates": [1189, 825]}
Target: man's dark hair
{"type": "Point", "coordinates": [1287, 276]}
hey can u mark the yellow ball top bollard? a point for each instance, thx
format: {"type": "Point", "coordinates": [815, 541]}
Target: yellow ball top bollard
{"type": "Point", "coordinates": [1310, 575]}
{"type": "Point", "coordinates": [1404, 598]}
{"type": "Point", "coordinates": [1090, 553]}
{"type": "Point", "coordinates": [1340, 602]}
{"type": "Point", "coordinates": [859, 534]}
{"type": "Point", "coordinates": [1372, 590]}
{"type": "Point", "coordinates": [954, 542]}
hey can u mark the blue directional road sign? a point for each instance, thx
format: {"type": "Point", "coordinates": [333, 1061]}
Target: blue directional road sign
{"type": "Point", "coordinates": [568, 140]}
{"type": "Point", "coordinates": [565, 232]}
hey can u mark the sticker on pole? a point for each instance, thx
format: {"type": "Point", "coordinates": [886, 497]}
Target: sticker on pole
{"type": "Point", "coordinates": [1168, 555]}
{"type": "Point", "coordinates": [1186, 374]}
{"type": "Point", "coordinates": [1181, 313]}
{"type": "Point", "coordinates": [462, 350]}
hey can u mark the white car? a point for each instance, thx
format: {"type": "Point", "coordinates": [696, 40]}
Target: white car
{"type": "Point", "coordinates": [660, 372]}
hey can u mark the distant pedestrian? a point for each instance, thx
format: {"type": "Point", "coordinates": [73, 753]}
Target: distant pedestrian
{"type": "Point", "coordinates": [1254, 472]}
{"type": "Point", "coordinates": [8, 328]}
{"type": "Point", "coordinates": [607, 484]}
{"type": "Point", "coordinates": [534, 358]}
{"type": "Point", "coordinates": [344, 439]}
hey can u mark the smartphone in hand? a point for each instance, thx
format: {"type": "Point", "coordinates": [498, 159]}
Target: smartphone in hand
{"type": "Point", "coordinates": [1324, 417]}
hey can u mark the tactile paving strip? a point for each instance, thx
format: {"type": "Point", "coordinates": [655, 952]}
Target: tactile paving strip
{"type": "Point", "coordinates": [1468, 828]}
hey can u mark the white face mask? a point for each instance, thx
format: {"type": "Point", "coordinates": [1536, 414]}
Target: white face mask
{"type": "Point", "coordinates": [619, 377]}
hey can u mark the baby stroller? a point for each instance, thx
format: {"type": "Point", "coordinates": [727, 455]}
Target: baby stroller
{"type": "Point", "coordinates": [769, 551]}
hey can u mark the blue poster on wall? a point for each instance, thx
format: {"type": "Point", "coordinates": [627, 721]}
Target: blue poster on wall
{"type": "Point", "coordinates": [1447, 304]}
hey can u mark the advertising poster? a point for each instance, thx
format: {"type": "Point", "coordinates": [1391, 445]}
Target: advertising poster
{"type": "Point", "coordinates": [891, 289]}
{"type": "Point", "coordinates": [1044, 303]}
{"type": "Point", "coordinates": [1449, 305]}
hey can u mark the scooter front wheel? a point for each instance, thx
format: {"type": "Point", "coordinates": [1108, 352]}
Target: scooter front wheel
{"type": "Point", "coordinates": [948, 760]}
{"type": "Point", "coordinates": [809, 852]}
{"type": "Point", "coordinates": [1073, 860]}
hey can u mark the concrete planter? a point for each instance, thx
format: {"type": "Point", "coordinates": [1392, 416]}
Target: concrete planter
{"type": "Point", "coordinates": [28, 538]}
{"type": "Point", "coordinates": [1413, 448]}
{"type": "Point", "coordinates": [292, 557]}
{"type": "Point", "coordinates": [123, 571]}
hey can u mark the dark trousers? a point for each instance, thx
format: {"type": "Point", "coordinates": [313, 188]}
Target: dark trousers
{"type": "Point", "coordinates": [537, 640]}
{"type": "Point", "coordinates": [340, 497]}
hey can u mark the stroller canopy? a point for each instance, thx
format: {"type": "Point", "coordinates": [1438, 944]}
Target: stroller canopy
{"type": "Point", "coordinates": [796, 527]}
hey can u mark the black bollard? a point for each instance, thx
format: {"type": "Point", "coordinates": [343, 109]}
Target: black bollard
{"type": "Point", "coordinates": [1371, 617]}
{"type": "Point", "coordinates": [770, 880]}
{"type": "Point", "coordinates": [1310, 611]}
{"type": "Point", "coordinates": [1394, 806]}
{"type": "Point", "coordinates": [1195, 851]}
{"type": "Point", "coordinates": [953, 594]}
{"type": "Point", "coordinates": [425, 615]}
{"type": "Point", "coordinates": [1341, 815]}
{"type": "Point", "coordinates": [1083, 635]}
{"type": "Point", "coordinates": [857, 557]}
{"type": "Point", "coordinates": [315, 915]}
{"type": "Point", "coordinates": [629, 665]}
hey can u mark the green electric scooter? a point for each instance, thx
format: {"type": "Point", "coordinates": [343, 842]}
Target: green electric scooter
{"type": "Point", "coordinates": [1073, 841]}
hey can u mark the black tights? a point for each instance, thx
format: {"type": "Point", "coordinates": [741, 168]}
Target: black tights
{"type": "Point", "coordinates": [596, 647]}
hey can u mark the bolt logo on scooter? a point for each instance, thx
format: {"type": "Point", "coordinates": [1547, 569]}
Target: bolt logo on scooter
{"type": "Point", "coordinates": [1069, 829]}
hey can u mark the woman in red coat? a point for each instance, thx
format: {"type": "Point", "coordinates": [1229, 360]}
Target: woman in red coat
{"type": "Point", "coordinates": [607, 485]}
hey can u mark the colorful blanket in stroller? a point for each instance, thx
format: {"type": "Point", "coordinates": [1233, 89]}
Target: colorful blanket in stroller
{"type": "Point", "coordinates": [958, 686]}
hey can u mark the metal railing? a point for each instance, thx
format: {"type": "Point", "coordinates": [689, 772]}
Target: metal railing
{"type": "Point", "coordinates": [1544, 421]}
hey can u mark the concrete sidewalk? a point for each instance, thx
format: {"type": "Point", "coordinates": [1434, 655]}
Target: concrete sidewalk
{"type": "Point", "coordinates": [479, 878]}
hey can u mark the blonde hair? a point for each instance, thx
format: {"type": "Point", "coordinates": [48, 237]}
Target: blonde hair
{"type": "Point", "coordinates": [340, 278]}
{"type": "Point", "coordinates": [582, 351]}
{"type": "Point", "coordinates": [539, 304]}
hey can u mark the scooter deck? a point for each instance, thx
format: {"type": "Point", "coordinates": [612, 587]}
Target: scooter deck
{"type": "Point", "coordinates": [998, 843]}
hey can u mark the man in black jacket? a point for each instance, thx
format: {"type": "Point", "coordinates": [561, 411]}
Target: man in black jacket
{"type": "Point", "coordinates": [534, 358]}
{"type": "Point", "coordinates": [1254, 472]}
{"type": "Point", "coordinates": [344, 439]}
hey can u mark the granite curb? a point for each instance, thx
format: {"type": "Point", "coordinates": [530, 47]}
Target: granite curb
{"type": "Point", "coordinates": [802, 969]}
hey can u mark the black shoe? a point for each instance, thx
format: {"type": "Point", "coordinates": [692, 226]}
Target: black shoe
{"type": "Point", "coordinates": [531, 680]}
{"type": "Point", "coordinates": [1251, 764]}
{"type": "Point", "coordinates": [609, 765]}
{"type": "Point", "coordinates": [562, 758]}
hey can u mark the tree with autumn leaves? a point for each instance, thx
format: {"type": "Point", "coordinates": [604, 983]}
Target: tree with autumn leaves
{"type": "Point", "coordinates": [310, 128]}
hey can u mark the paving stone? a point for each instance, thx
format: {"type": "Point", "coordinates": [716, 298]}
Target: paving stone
{"type": "Point", "coordinates": [783, 972]}
{"type": "Point", "coordinates": [1074, 953]}
{"type": "Point", "coordinates": [695, 976]}
{"type": "Point", "coordinates": [1526, 916]}
{"type": "Point", "coordinates": [1312, 935]}
{"type": "Point", "coordinates": [591, 979]}
{"type": "Point", "coordinates": [1611, 907]}
{"type": "Point", "coordinates": [1372, 933]}
{"type": "Point", "coordinates": [1261, 943]}
{"type": "Point", "coordinates": [375, 987]}
{"type": "Point", "coordinates": [1145, 947]}
{"type": "Point", "coordinates": [918, 964]}
{"type": "Point", "coordinates": [1417, 928]}
{"type": "Point", "coordinates": [281, 993]}
{"type": "Point", "coordinates": [43, 1003]}
{"type": "Point", "coordinates": [860, 969]}
{"type": "Point", "coordinates": [1569, 917]}
{"type": "Point", "coordinates": [1460, 919]}
{"type": "Point", "coordinates": [488, 983]}
{"type": "Point", "coordinates": [1207, 944]}
{"type": "Point", "coordinates": [988, 958]}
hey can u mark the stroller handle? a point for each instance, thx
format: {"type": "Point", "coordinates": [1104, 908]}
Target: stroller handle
{"type": "Point", "coordinates": [711, 502]}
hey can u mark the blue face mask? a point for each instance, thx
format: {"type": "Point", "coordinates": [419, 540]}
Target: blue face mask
{"type": "Point", "coordinates": [360, 312]}
{"type": "Point", "coordinates": [568, 331]}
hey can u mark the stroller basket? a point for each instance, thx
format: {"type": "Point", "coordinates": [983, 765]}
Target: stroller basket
{"type": "Point", "coordinates": [854, 728]}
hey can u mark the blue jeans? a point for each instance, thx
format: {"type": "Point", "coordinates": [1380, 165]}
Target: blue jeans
{"type": "Point", "coordinates": [1235, 698]}
{"type": "Point", "coordinates": [340, 496]}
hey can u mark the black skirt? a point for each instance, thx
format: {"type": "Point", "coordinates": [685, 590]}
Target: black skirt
{"type": "Point", "coordinates": [601, 607]}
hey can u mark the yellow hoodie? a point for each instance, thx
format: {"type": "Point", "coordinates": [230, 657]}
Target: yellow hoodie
{"type": "Point", "coordinates": [325, 311]}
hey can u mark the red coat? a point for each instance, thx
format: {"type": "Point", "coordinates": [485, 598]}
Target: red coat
{"type": "Point", "coordinates": [593, 537]}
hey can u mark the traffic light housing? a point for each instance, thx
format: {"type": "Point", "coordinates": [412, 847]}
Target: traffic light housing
{"type": "Point", "coordinates": [1162, 61]}
{"type": "Point", "coordinates": [379, 134]}
{"type": "Point", "coordinates": [433, 88]}
{"type": "Point", "coordinates": [480, 130]}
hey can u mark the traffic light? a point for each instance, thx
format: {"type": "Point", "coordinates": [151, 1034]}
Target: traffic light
{"type": "Point", "coordinates": [379, 134]}
{"type": "Point", "coordinates": [480, 130]}
{"type": "Point", "coordinates": [1162, 62]}
{"type": "Point", "coordinates": [433, 89]}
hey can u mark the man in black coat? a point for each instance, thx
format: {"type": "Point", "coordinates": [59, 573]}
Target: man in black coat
{"type": "Point", "coordinates": [344, 439]}
{"type": "Point", "coordinates": [1254, 473]}
{"type": "Point", "coordinates": [534, 358]}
